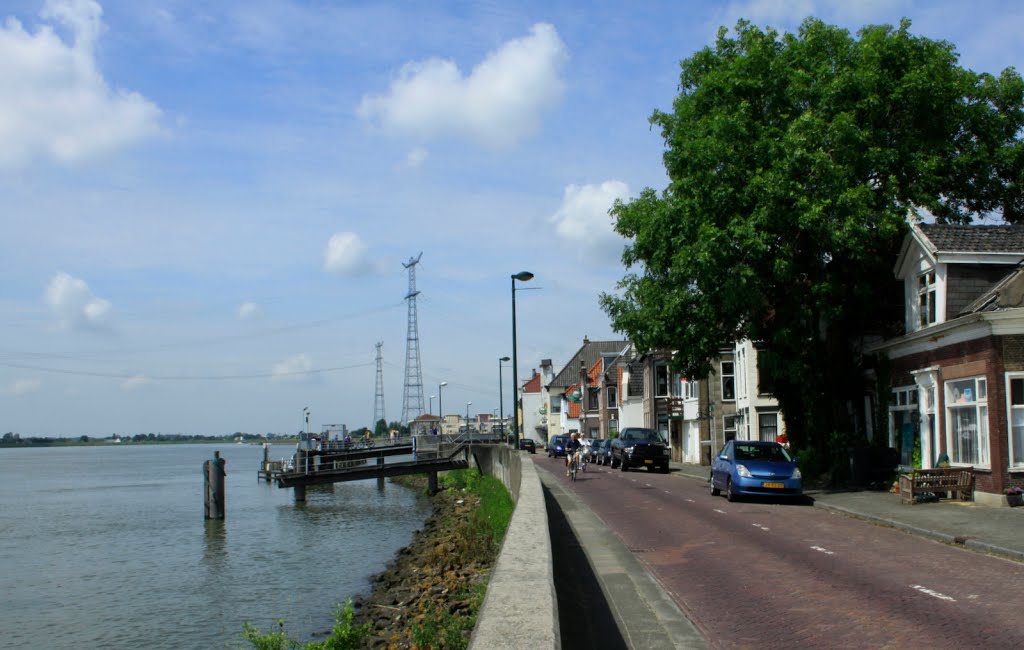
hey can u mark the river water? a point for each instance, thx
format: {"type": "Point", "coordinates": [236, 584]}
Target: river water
{"type": "Point", "coordinates": [106, 547]}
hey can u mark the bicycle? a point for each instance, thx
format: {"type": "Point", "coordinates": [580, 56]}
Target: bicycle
{"type": "Point", "coordinates": [574, 464]}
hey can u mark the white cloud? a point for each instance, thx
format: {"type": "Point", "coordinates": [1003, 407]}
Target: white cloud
{"type": "Point", "coordinates": [133, 383]}
{"type": "Point", "coordinates": [416, 157]}
{"type": "Point", "coordinates": [583, 220]}
{"type": "Point", "coordinates": [75, 305]}
{"type": "Point", "coordinates": [54, 101]}
{"type": "Point", "coordinates": [248, 310]}
{"type": "Point", "coordinates": [293, 368]}
{"type": "Point", "coordinates": [23, 386]}
{"type": "Point", "coordinates": [346, 254]}
{"type": "Point", "coordinates": [497, 104]}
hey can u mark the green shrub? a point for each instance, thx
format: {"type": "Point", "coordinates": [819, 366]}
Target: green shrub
{"type": "Point", "coordinates": [344, 636]}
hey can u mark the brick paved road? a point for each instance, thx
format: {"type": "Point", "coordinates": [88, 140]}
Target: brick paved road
{"type": "Point", "coordinates": [773, 575]}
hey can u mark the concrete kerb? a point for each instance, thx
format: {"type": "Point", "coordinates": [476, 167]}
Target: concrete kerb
{"type": "Point", "coordinates": [646, 615]}
{"type": "Point", "coordinates": [522, 579]}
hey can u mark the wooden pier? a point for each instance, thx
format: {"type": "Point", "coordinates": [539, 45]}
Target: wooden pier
{"type": "Point", "coordinates": [334, 462]}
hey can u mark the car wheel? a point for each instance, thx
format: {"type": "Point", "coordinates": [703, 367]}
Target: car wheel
{"type": "Point", "coordinates": [714, 491]}
{"type": "Point", "coordinates": [729, 493]}
{"type": "Point", "coordinates": [622, 464]}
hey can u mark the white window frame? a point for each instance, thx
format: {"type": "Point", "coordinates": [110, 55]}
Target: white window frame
{"type": "Point", "coordinates": [960, 405]}
{"type": "Point", "coordinates": [659, 369]}
{"type": "Point", "coordinates": [927, 296]}
{"type": "Point", "coordinates": [760, 425]}
{"type": "Point", "coordinates": [731, 376]}
{"type": "Point", "coordinates": [728, 420]}
{"type": "Point", "coordinates": [1016, 459]}
{"type": "Point", "coordinates": [689, 390]}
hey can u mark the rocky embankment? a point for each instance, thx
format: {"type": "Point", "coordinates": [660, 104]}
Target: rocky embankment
{"type": "Point", "coordinates": [430, 593]}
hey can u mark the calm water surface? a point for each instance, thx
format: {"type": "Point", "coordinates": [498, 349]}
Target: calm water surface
{"type": "Point", "coordinates": [106, 547]}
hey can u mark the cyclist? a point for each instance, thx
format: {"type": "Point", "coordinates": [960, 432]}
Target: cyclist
{"type": "Point", "coordinates": [572, 446]}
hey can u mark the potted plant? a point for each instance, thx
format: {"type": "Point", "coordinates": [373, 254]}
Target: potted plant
{"type": "Point", "coordinates": [1014, 495]}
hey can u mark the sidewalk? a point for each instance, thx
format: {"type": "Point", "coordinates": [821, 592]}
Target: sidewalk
{"type": "Point", "coordinates": [999, 531]}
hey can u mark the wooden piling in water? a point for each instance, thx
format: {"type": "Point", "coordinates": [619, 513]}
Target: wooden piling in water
{"type": "Point", "coordinates": [213, 487]}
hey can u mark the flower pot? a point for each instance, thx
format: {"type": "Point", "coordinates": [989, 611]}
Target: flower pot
{"type": "Point", "coordinates": [1014, 500]}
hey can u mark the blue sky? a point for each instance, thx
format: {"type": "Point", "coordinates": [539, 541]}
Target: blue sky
{"type": "Point", "coordinates": [204, 210]}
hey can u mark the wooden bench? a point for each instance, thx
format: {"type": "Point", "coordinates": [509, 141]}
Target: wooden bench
{"type": "Point", "coordinates": [938, 481]}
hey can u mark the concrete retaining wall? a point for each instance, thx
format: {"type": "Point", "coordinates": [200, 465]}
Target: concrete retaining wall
{"type": "Point", "coordinates": [520, 609]}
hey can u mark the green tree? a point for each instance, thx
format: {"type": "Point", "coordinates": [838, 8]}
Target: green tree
{"type": "Point", "coordinates": [381, 429]}
{"type": "Point", "coordinates": [793, 163]}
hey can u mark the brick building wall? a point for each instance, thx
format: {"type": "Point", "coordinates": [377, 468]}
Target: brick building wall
{"type": "Point", "coordinates": [978, 357]}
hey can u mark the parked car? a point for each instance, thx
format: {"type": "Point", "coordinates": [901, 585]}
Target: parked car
{"type": "Point", "coordinates": [640, 447]}
{"type": "Point", "coordinates": [753, 467]}
{"type": "Point", "coordinates": [591, 449]}
{"type": "Point", "coordinates": [556, 446]}
{"type": "Point", "coordinates": [603, 453]}
{"type": "Point", "coordinates": [526, 444]}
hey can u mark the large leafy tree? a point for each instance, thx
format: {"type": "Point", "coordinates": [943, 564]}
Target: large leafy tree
{"type": "Point", "coordinates": [794, 161]}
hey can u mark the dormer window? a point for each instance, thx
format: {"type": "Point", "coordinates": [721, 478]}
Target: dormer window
{"type": "Point", "coordinates": [926, 298]}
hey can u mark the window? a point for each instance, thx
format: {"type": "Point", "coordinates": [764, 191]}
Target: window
{"type": "Point", "coordinates": [556, 403]}
{"type": "Point", "coordinates": [729, 427]}
{"type": "Point", "coordinates": [926, 298]}
{"type": "Point", "coordinates": [768, 426]}
{"type": "Point", "coordinates": [613, 397]}
{"type": "Point", "coordinates": [728, 382]}
{"type": "Point", "coordinates": [613, 427]}
{"type": "Point", "coordinates": [593, 395]}
{"type": "Point", "coordinates": [689, 389]}
{"type": "Point", "coordinates": [967, 421]}
{"type": "Point", "coordinates": [1016, 399]}
{"type": "Point", "coordinates": [661, 380]}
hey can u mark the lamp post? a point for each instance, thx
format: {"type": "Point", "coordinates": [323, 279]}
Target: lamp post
{"type": "Point", "coordinates": [305, 414]}
{"type": "Point", "coordinates": [522, 276]}
{"type": "Point", "coordinates": [501, 398]}
{"type": "Point", "coordinates": [468, 434]}
{"type": "Point", "coordinates": [431, 409]}
{"type": "Point", "coordinates": [440, 409]}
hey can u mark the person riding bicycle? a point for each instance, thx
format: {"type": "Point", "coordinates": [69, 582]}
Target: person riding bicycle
{"type": "Point", "coordinates": [572, 446]}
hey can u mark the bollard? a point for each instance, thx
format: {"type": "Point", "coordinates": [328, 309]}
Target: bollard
{"type": "Point", "coordinates": [213, 486]}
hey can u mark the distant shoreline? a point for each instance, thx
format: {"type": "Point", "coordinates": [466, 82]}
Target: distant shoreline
{"type": "Point", "coordinates": [65, 442]}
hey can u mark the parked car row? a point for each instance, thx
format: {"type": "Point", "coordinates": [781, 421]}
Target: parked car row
{"type": "Point", "coordinates": [741, 468]}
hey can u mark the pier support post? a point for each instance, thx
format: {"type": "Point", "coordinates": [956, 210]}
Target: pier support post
{"type": "Point", "coordinates": [432, 482]}
{"type": "Point", "coordinates": [300, 493]}
{"type": "Point", "coordinates": [380, 472]}
{"type": "Point", "coordinates": [213, 487]}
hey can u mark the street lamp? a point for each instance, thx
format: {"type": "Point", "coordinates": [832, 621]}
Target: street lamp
{"type": "Point", "coordinates": [305, 414]}
{"type": "Point", "coordinates": [522, 276]}
{"type": "Point", "coordinates": [440, 409]}
{"type": "Point", "coordinates": [431, 410]}
{"type": "Point", "coordinates": [501, 399]}
{"type": "Point", "coordinates": [468, 404]}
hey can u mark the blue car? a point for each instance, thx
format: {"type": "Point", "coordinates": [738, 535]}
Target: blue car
{"type": "Point", "coordinates": [556, 446]}
{"type": "Point", "coordinates": [755, 468]}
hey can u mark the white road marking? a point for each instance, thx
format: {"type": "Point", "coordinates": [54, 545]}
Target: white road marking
{"type": "Point", "coordinates": [691, 501]}
{"type": "Point", "coordinates": [648, 485]}
{"type": "Point", "coordinates": [822, 550]}
{"type": "Point", "coordinates": [933, 593]}
{"type": "Point", "coordinates": [721, 511]}
{"type": "Point", "coordinates": [765, 528]}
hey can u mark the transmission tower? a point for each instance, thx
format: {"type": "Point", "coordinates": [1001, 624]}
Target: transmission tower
{"type": "Point", "coordinates": [378, 396]}
{"type": "Point", "coordinates": [412, 399]}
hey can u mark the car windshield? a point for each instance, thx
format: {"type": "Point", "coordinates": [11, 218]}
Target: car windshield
{"type": "Point", "coordinates": [641, 435]}
{"type": "Point", "coordinates": [771, 453]}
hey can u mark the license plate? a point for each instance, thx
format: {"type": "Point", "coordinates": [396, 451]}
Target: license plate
{"type": "Point", "coordinates": [774, 485]}
{"type": "Point", "coordinates": [649, 461]}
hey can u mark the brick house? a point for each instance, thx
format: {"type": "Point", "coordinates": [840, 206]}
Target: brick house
{"type": "Point", "coordinates": [957, 373]}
